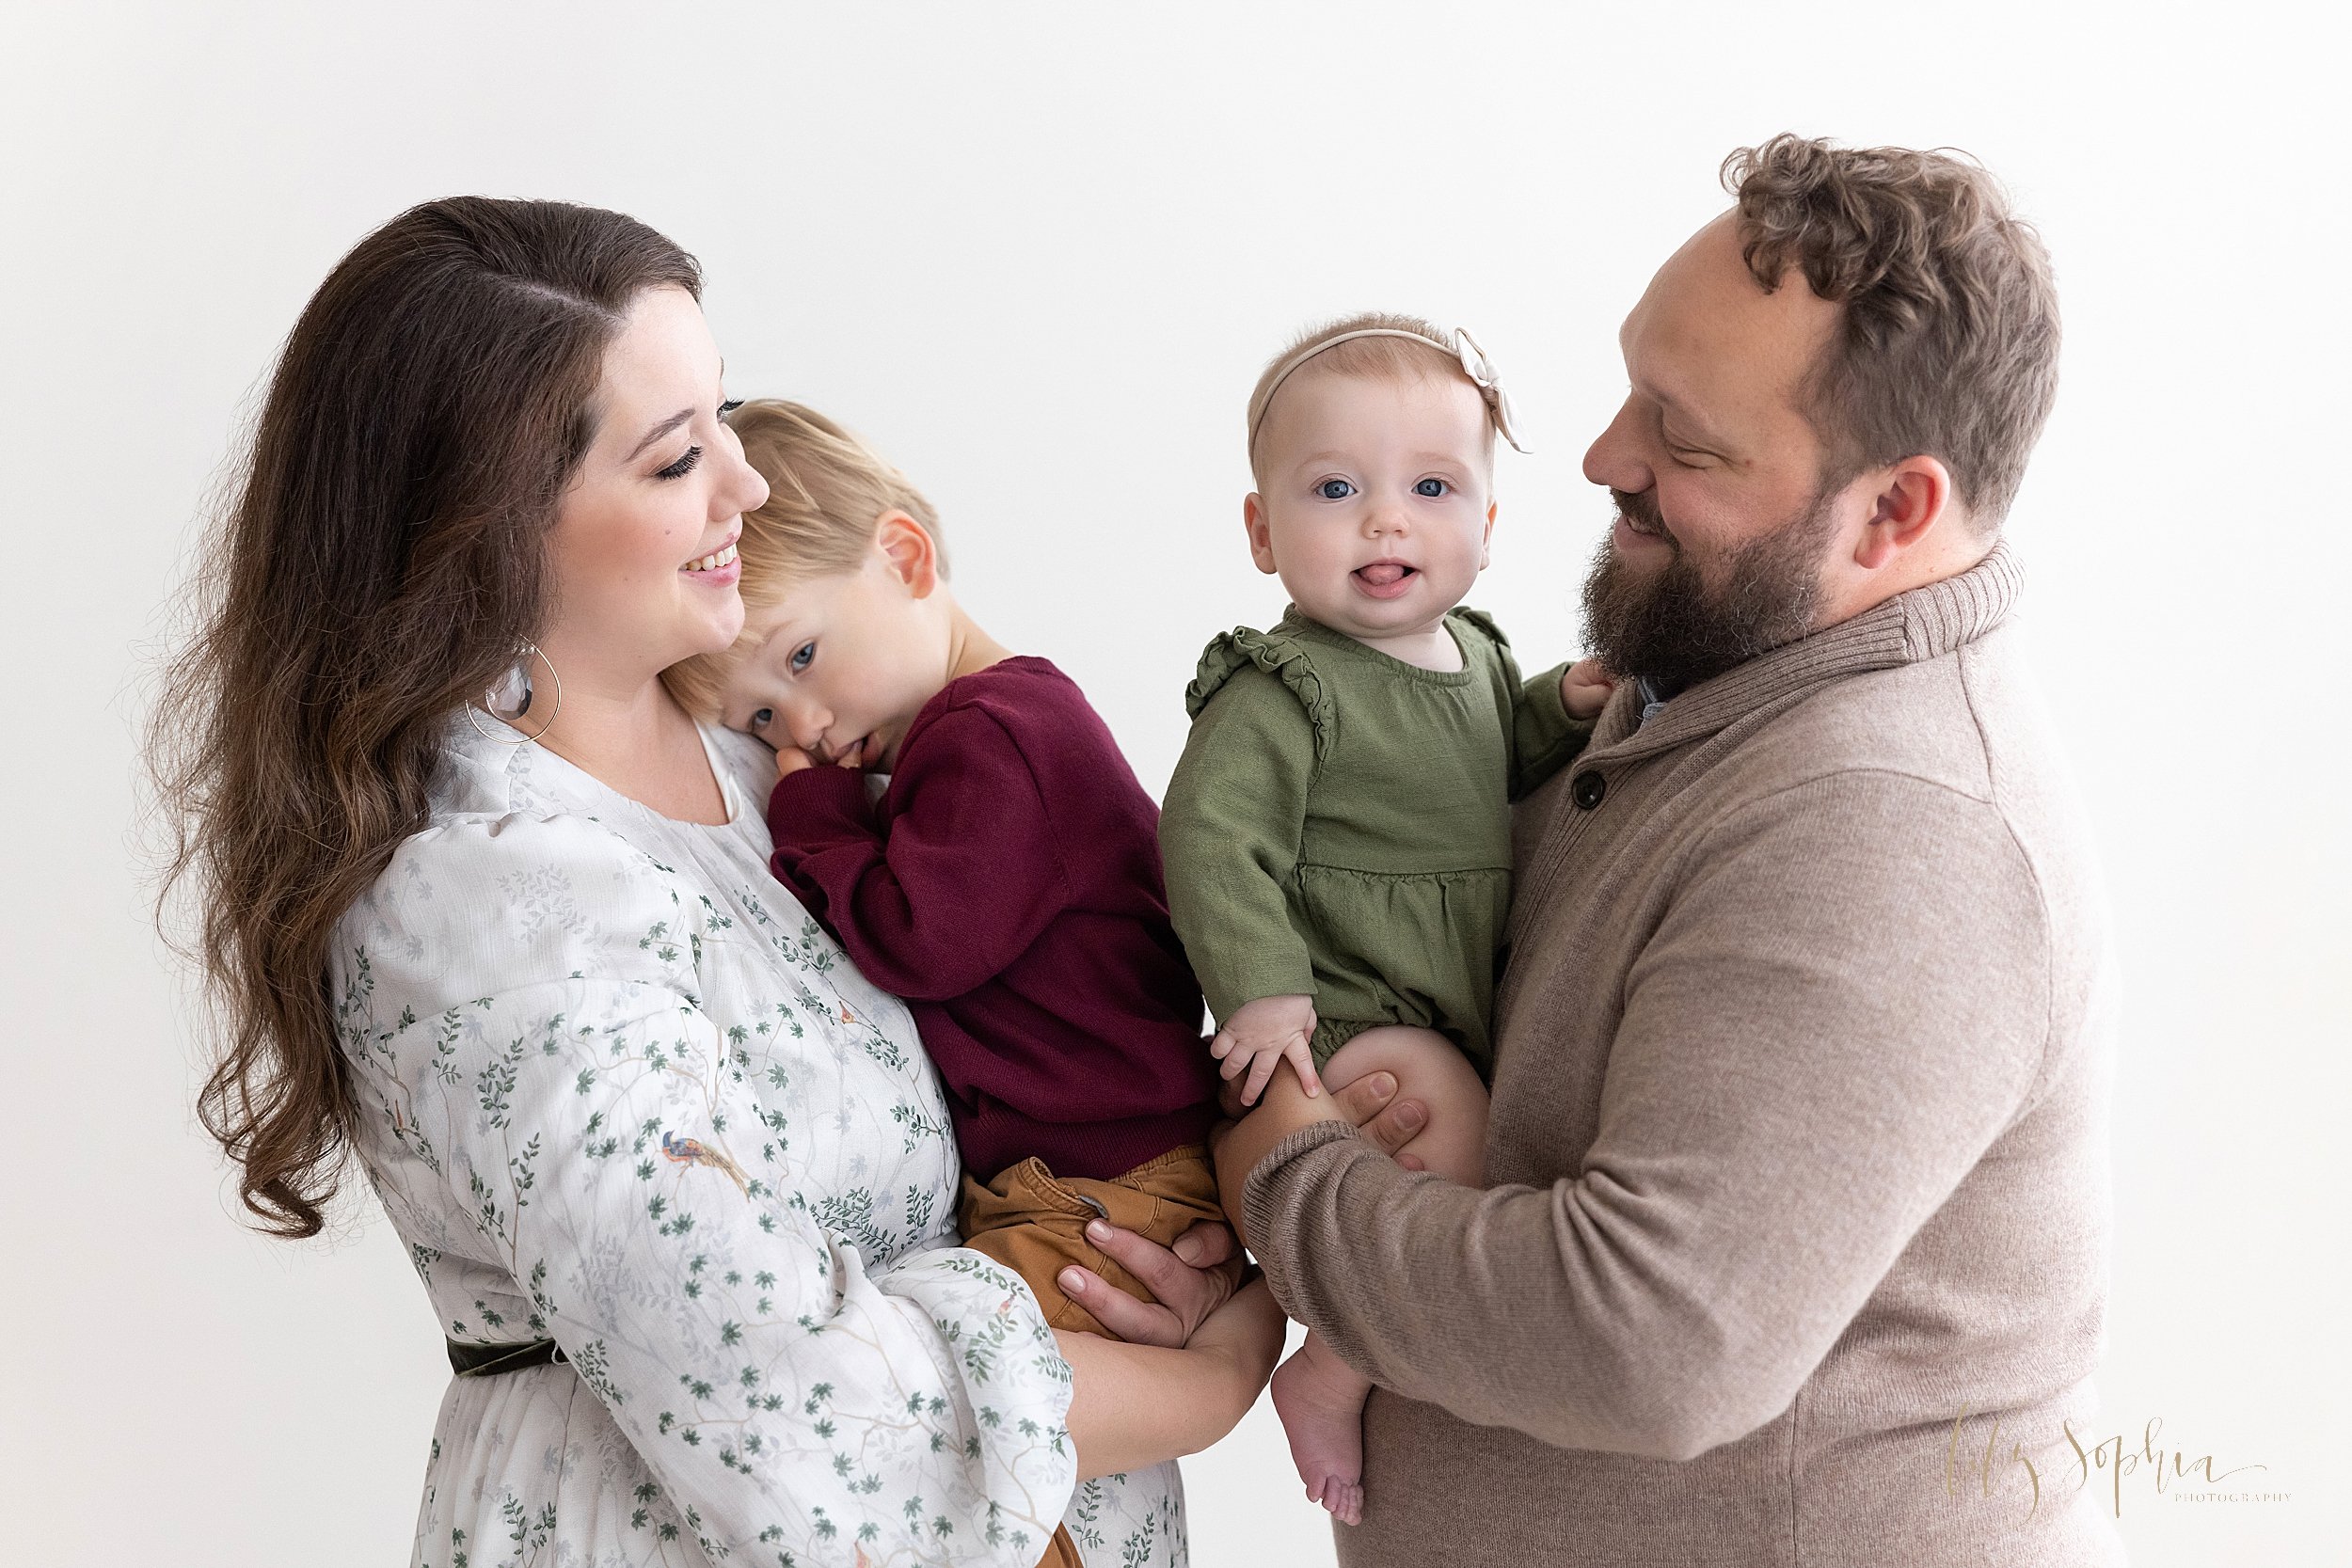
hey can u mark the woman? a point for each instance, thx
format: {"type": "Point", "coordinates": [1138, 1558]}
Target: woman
{"type": "Point", "coordinates": [483, 905]}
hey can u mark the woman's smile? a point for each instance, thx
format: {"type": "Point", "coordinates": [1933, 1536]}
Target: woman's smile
{"type": "Point", "coordinates": [719, 569]}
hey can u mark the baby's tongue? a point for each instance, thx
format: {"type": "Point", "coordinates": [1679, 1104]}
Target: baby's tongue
{"type": "Point", "coordinates": [1384, 574]}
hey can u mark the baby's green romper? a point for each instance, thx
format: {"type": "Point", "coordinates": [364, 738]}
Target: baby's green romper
{"type": "Point", "coordinates": [1340, 828]}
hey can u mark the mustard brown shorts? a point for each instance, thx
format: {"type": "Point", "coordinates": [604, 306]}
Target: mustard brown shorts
{"type": "Point", "coordinates": [1034, 1222]}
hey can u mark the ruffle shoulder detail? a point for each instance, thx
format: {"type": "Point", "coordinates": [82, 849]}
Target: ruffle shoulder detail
{"type": "Point", "coordinates": [1481, 620]}
{"type": "Point", "coordinates": [1286, 659]}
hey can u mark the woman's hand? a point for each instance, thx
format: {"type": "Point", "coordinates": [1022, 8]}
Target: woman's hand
{"type": "Point", "coordinates": [1191, 1281]}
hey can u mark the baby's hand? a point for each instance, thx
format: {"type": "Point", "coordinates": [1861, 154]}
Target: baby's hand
{"type": "Point", "coordinates": [1260, 1036]}
{"type": "Point", "coordinates": [1584, 688]}
{"type": "Point", "coordinates": [790, 760]}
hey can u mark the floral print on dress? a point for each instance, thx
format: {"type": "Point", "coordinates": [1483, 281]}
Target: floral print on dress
{"type": "Point", "coordinates": [618, 1088]}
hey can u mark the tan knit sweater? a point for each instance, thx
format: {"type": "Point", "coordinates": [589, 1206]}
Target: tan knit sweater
{"type": "Point", "coordinates": [1798, 1146]}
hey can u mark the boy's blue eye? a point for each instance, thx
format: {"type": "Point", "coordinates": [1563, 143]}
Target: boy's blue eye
{"type": "Point", "coordinates": [801, 656]}
{"type": "Point", "coordinates": [1431, 488]}
{"type": "Point", "coordinates": [1335, 489]}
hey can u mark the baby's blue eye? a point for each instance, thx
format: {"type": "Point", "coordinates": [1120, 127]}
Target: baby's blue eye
{"type": "Point", "coordinates": [762, 717]}
{"type": "Point", "coordinates": [1431, 488]}
{"type": "Point", "coordinates": [801, 657]}
{"type": "Point", "coordinates": [1335, 489]}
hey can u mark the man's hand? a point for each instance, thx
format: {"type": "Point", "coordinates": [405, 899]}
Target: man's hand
{"type": "Point", "coordinates": [1584, 688]}
{"type": "Point", "coordinates": [1370, 1104]}
{"type": "Point", "coordinates": [1261, 1035]}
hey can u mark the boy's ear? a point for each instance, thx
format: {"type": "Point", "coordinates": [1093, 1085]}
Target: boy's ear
{"type": "Point", "coordinates": [1261, 538]}
{"type": "Point", "coordinates": [908, 547]}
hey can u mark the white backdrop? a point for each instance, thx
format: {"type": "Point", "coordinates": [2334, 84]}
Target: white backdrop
{"type": "Point", "coordinates": [1037, 255]}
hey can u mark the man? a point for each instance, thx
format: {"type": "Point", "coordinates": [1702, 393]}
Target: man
{"type": "Point", "coordinates": [1797, 1173]}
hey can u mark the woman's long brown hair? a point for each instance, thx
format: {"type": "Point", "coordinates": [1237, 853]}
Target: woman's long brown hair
{"type": "Point", "coordinates": [380, 561]}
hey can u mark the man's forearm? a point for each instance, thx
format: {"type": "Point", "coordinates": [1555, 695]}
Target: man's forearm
{"type": "Point", "coordinates": [1470, 1300]}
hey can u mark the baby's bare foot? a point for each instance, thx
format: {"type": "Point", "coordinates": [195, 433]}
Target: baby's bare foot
{"type": "Point", "coordinates": [1321, 1401]}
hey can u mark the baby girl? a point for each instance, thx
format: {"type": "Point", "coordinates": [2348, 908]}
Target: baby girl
{"type": "Point", "coordinates": [1337, 835]}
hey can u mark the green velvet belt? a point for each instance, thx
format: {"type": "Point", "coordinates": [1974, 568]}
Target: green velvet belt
{"type": "Point", "coordinates": [489, 1360]}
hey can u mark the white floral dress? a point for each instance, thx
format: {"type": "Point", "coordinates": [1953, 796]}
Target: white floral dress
{"type": "Point", "coordinates": [617, 1089]}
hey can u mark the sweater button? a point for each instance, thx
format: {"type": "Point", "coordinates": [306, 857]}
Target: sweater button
{"type": "Point", "coordinates": [1587, 789]}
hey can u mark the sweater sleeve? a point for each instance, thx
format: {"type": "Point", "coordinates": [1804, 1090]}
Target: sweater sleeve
{"type": "Point", "coordinates": [1785, 1106]}
{"type": "Point", "coordinates": [962, 880]}
{"type": "Point", "coordinates": [1229, 840]}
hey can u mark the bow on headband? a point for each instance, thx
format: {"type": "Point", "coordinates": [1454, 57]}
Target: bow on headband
{"type": "Point", "coordinates": [1464, 347]}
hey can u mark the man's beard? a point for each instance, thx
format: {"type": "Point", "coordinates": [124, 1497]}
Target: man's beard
{"type": "Point", "coordinates": [1668, 626]}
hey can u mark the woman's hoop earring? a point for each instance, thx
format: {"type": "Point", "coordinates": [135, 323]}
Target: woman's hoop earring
{"type": "Point", "coordinates": [512, 698]}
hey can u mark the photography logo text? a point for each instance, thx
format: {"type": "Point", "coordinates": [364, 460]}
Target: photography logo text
{"type": "Point", "coordinates": [2073, 1462]}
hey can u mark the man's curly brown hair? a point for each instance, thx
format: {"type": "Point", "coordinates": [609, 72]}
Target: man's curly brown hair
{"type": "Point", "coordinates": [1948, 346]}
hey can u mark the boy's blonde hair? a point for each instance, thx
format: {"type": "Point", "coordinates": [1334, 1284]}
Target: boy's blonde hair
{"type": "Point", "coordinates": [1373, 358]}
{"type": "Point", "coordinates": [826, 492]}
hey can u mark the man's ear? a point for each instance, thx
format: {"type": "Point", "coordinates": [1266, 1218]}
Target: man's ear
{"type": "Point", "coordinates": [1914, 496]}
{"type": "Point", "coordinates": [1261, 538]}
{"type": "Point", "coordinates": [908, 547]}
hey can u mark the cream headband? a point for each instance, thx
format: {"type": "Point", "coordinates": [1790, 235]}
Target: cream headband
{"type": "Point", "coordinates": [1465, 348]}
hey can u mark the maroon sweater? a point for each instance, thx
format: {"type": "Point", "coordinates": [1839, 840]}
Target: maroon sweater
{"type": "Point", "coordinates": [1007, 885]}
